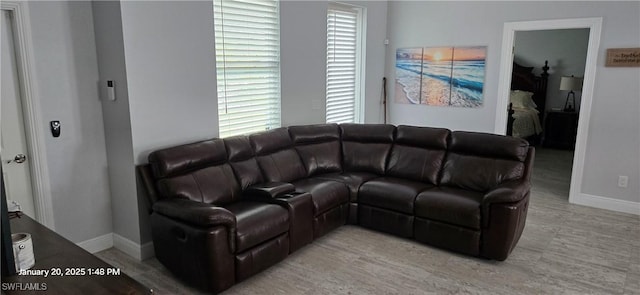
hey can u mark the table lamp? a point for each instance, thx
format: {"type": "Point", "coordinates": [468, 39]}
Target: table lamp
{"type": "Point", "coordinates": [572, 84]}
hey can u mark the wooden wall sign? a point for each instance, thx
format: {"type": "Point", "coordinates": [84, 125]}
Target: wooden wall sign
{"type": "Point", "coordinates": [623, 57]}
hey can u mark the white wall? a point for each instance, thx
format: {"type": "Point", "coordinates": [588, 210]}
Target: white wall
{"type": "Point", "coordinates": [613, 146]}
{"type": "Point", "coordinates": [303, 51]}
{"type": "Point", "coordinates": [66, 86]}
{"type": "Point", "coordinates": [375, 55]}
{"type": "Point", "coordinates": [170, 59]}
{"type": "Point", "coordinates": [566, 51]}
{"type": "Point", "coordinates": [117, 123]}
{"type": "Point", "coordinates": [434, 24]}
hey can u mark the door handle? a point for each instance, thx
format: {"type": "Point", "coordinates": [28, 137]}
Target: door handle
{"type": "Point", "coordinates": [19, 158]}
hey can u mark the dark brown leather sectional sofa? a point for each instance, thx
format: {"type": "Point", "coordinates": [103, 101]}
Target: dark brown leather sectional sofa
{"type": "Point", "coordinates": [225, 209]}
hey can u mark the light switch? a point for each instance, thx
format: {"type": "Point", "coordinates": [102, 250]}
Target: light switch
{"type": "Point", "coordinates": [111, 90]}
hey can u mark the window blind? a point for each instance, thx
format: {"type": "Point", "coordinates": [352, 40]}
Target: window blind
{"type": "Point", "coordinates": [343, 63]}
{"type": "Point", "coordinates": [247, 38]}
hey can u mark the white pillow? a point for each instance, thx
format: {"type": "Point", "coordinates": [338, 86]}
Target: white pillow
{"type": "Point", "coordinates": [522, 99]}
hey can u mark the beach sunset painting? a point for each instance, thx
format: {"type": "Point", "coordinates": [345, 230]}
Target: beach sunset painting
{"type": "Point", "coordinates": [447, 76]}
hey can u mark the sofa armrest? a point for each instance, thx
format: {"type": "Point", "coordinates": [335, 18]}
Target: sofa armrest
{"type": "Point", "coordinates": [269, 190]}
{"type": "Point", "coordinates": [195, 213]}
{"type": "Point", "coordinates": [508, 192]}
{"type": "Point", "coordinates": [503, 228]}
{"type": "Point", "coordinates": [203, 257]}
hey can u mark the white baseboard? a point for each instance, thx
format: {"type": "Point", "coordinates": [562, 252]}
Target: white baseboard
{"type": "Point", "coordinates": [608, 203]}
{"type": "Point", "coordinates": [97, 244]}
{"type": "Point", "coordinates": [133, 249]}
{"type": "Point", "coordinates": [104, 242]}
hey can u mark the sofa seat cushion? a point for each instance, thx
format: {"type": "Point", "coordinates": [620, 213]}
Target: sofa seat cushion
{"type": "Point", "coordinates": [391, 193]}
{"type": "Point", "coordinates": [353, 180]}
{"type": "Point", "coordinates": [325, 194]}
{"type": "Point", "coordinates": [451, 205]}
{"type": "Point", "coordinates": [257, 222]}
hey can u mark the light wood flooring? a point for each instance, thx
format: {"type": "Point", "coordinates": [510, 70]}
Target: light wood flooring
{"type": "Point", "coordinates": [565, 249]}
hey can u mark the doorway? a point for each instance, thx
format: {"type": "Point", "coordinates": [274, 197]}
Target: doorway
{"type": "Point", "coordinates": [15, 27]}
{"type": "Point", "coordinates": [595, 26]}
{"type": "Point", "coordinates": [564, 51]}
{"type": "Point", "coordinates": [13, 142]}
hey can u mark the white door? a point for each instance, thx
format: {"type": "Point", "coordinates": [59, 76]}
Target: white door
{"type": "Point", "coordinates": [13, 144]}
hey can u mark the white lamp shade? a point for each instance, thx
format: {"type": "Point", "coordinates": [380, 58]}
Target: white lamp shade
{"type": "Point", "coordinates": [571, 83]}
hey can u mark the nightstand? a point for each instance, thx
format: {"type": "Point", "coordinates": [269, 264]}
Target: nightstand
{"type": "Point", "coordinates": [560, 129]}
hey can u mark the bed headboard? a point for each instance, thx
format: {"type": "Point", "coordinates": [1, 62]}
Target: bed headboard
{"type": "Point", "coordinates": [523, 79]}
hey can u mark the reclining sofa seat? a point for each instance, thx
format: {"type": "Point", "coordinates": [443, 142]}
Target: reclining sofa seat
{"type": "Point", "coordinates": [245, 166]}
{"type": "Point", "coordinates": [202, 227]}
{"type": "Point", "coordinates": [280, 162]}
{"type": "Point", "coordinates": [387, 203]}
{"type": "Point", "coordinates": [364, 154]}
{"type": "Point", "coordinates": [481, 173]}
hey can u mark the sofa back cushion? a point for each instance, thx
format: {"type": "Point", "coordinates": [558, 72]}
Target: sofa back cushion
{"type": "Point", "coordinates": [418, 153]}
{"type": "Point", "coordinates": [197, 171]}
{"type": "Point", "coordinates": [187, 157]}
{"type": "Point", "coordinates": [213, 185]}
{"type": "Point", "coordinates": [318, 147]}
{"type": "Point", "coordinates": [481, 161]}
{"type": "Point", "coordinates": [243, 161]}
{"type": "Point", "coordinates": [277, 158]}
{"type": "Point", "coordinates": [365, 147]}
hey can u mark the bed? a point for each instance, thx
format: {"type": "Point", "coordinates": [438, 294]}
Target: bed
{"type": "Point", "coordinates": [527, 102]}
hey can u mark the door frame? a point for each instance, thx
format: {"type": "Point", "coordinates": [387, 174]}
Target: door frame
{"type": "Point", "coordinates": [30, 109]}
{"type": "Point", "coordinates": [594, 25]}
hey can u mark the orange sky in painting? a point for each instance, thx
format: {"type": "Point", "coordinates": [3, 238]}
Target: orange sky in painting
{"type": "Point", "coordinates": [431, 53]}
{"type": "Point", "coordinates": [460, 53]}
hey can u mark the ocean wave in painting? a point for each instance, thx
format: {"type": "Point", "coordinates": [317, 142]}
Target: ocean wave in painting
{"type": "Point", "coordinates": [408, 75]}
{"type": "Point", "coordinates": [457, 84]}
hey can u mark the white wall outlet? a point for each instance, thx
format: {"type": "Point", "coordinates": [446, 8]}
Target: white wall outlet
{"type": "Point", "coordinates": [623, 180]}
